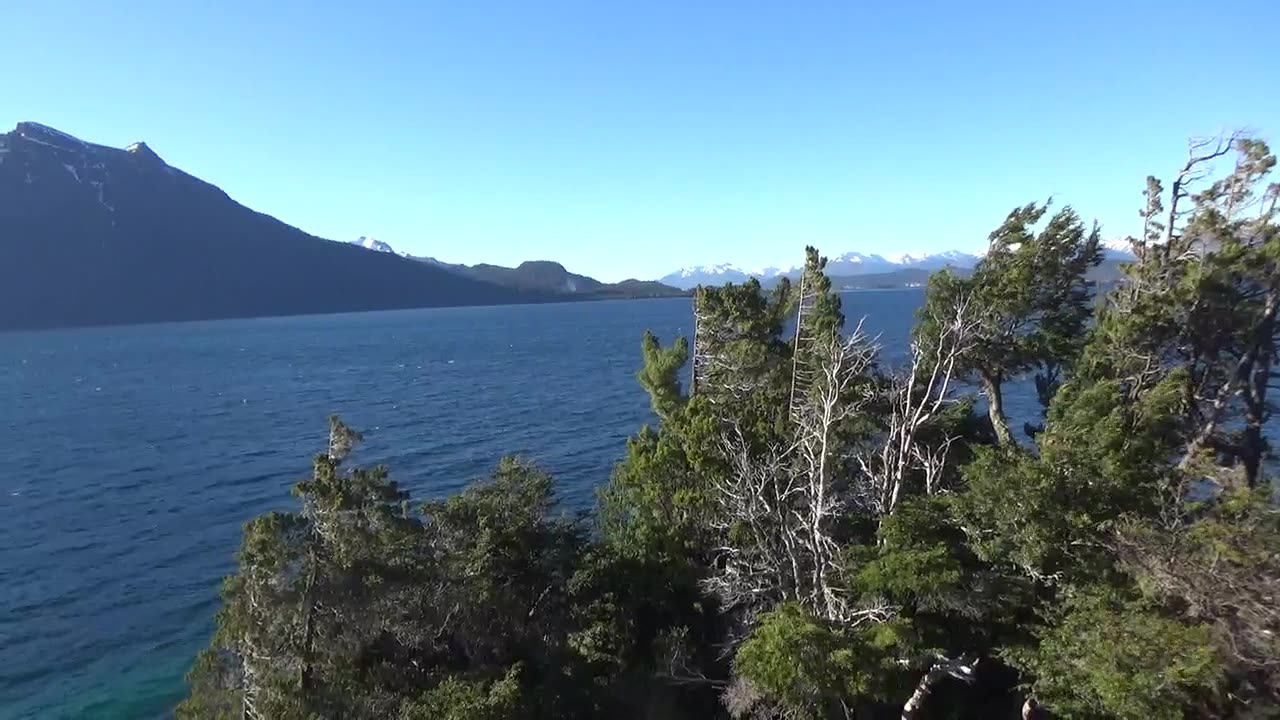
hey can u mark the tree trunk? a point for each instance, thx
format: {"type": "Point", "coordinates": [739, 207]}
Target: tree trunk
{"type": "Point", "coordinates": [914, 706]}
{"type": "Point", "coordinates": [1252, 443]}
{"type": "Point", "coordinates": [308, 627]}
{"type": "Point", "coordinates": [960, 668]}
{"type": "Point", "coordinates": [1251, 446]}
{"type": "Point", "coordinates": [991, 388]}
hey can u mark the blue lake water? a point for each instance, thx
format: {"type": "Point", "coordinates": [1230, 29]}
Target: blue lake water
{"type": "Point", "coordinates": [133, 455]}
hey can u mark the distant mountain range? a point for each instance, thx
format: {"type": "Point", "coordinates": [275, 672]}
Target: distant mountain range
{"type": "Point", "coordinates": [542, 276]}
{"type": "Point", "coordinates": [855, 270]}
{"type": "Point", "coordinates": [93, 235]}
{"type": "Point", "coordinates": [847, 265]}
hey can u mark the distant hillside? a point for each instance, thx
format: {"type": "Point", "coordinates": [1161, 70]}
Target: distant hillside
{"type": "Point", "coordinates": [907, 277]}
{"type": "Point", "coordinates": [641, 288]}
{"type": "Point", "coordinates": [546, 276]}
{"type": "Point", "coordinates": [541, 276]}
{"type": "Point", "coordinates": [1107, 273]}
{"type": "Point", "coordinates": [94, 235]}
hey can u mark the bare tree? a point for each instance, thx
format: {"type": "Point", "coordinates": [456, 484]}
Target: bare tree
{"type": "Point", "coordinates": [1200, 153]}
{"type": "Point", "coordinates": [778, 504]}
{"type": "Point", "coordinates": [831, 401]}
{"type": "Point", "coordinates": [915, 398]}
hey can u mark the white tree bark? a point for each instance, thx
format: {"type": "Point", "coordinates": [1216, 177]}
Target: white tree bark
{"type": "Point", "coordinates": [962, 668]}
{"type": "Point", "coordinates": [916, 398]}
{"type": "Point", "coordinates": [777, 505]}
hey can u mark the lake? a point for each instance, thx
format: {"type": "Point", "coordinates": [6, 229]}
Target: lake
{"type": "Point", "coordinates": [133, 456]}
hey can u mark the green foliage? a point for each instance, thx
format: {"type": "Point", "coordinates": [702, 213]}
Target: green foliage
{"type": "Point", "coordinates": [1030, 301]}
{"type": "Point", "coordinates": [825, 319]}
{"type": "Point", "coordinates": [1202, 301]}
{"type": "Point", "coordinates": [660, 376]}
{"type": "Point", "coordinates": [214, 689]}
{"type": "Point", "coordinates": [458, 699]}
{"type": "Point", "coordinates": [740, 328]}
{"type": "Point", "coordinates": [802, 665]}
{"type": "Point", "coordinates": [1103, 657]}
{"type": "Point", "coordinates": [916, 556]}
{"type": "Point", "coordinates": [799, 536]}
{"type": "Point", "coordinates": [1102, 457]}
{"type": "Point", "coordinates": [1218, 565]}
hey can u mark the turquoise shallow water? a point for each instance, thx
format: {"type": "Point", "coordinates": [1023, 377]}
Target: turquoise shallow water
{"type": "Point", "coordinates": [134, 454]}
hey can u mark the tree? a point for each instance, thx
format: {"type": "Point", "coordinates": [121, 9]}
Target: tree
{"type": "Point", "coordinates": [1214, 564]}
{"type": "Point", "coordinates": [1202, 300]}
{"type": "Point", "coordinates": [1151, 575]}
{"type": "Point", "coordinates": [808, 532]}
{"type": "Point", "coordinates": [1102, 656]}
{"type": "Point", "coordinates": [303, 602]}
{"type": "Point", "coordinates": [797, 666]}
{"type": "Point", "coordinates": [807, 484]}
{"type": "Point", "coordinates": [1032, 303]}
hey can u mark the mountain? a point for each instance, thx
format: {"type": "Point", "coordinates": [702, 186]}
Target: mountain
{"type": "Point", "coordinates": [690, 278]}
{"type": "Point", "coordinates": [850, 264]}
{"type": "Point", "coordinates": [855, 270]}
{"type": "Point", "coordinates": [93, 235]}
{"type": "Point", "coordinates": [858, 271]}
{"type": "Point", "coordinates": [937, 261]}
{"type": "Point", "coordinates": [855, 263]}
{"type": "Point", "coordinates": [1108, 272]}
{"type": "Point", "coordinates": [552, 277]}
{"type": "Point", "coordinates": [1119, 249]}
{"type": "Point", "coordinates": [540, 276]}
{"type": "Point", "coordinates": [906, 277]}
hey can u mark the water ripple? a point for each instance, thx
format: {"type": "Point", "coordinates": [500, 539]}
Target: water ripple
{"type": "Point", "coordinates": [136, 454]}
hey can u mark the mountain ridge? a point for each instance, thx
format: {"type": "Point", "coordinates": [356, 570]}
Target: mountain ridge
{"type": "Point", "coordinates": [538, 275]}
{"type": "Point", "coordinates": [889, 269]}
{"type": "Point", "coordinates": [97, 235]}
{"type": "Point", "coordinates": [847, 264]}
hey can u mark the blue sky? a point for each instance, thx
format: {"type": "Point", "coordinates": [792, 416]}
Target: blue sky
{"type": "Point", "coordinates": [633, 138]}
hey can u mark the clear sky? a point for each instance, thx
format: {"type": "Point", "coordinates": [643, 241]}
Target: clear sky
{"type": "Point", "coordinates": [633, 138]}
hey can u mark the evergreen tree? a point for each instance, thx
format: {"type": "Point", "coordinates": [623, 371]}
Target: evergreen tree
{"type": "Point", "coordinates": [807, 532]}
{"type": "Point", "coordinates": [1033, 304]}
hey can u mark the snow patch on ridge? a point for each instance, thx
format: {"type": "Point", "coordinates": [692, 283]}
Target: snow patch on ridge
{"type": "Point", "coordinates": [371, 243]}
{"type": "Point", "coordinates": [54, 132]}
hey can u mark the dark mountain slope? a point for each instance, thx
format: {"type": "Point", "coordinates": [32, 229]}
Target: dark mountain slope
{"type": "Point", "coordinates": [547, 276]}
{"type": "Point", "coordinates": [540, 276]}
{"type": "Point", "coordinates": [535, 274]}
{"type": "Point", "coordinates": [96, 235]}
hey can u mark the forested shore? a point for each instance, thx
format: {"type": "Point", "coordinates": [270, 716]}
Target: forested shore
{"type": "Point", "coordinates": [810, 531]}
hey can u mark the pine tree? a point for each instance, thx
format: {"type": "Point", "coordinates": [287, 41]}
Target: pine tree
{"type": "Point", "coordinates": [806, 532]}
{"type": "Point", "coordinates": [1033, 304]}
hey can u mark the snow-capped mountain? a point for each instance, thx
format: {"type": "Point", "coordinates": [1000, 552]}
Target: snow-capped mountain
{"type": "Point", "coordinates": [1117, 249]}
{"type": "Point", "coordinates": [936, 261]}
{"type": "Point", "coordinates": [855, 263]}
{"type": "Point", "coordinates": [848, 264]}
{"type": "Point", "coordinates": [708, 275]}
{"type": "Point", "coordinates": [370, 243]}
{"type": "Point", "coordinates": [376, 245]}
